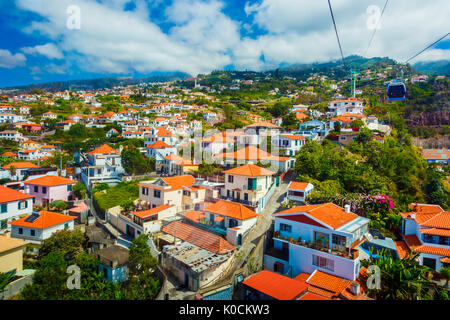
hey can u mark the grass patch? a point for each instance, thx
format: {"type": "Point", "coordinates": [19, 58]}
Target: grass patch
{"type": "Point", "coordinates": [116, 195]}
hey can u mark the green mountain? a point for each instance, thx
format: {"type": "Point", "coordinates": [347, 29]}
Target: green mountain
{"type": "Point", "coordinates": [441, 67]}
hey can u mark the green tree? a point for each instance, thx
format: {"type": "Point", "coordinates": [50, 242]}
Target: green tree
{"type": "Point", "coordinates": [337, 126]}
{"type": "Point", "coordinates": [68, 242]}
{"type": "Point", "coordinates": [59, 205]}
{"type": "Point", "coordinates": [445, 272]}
{"type": "Point", "coordinates": [79, 189]}
{"type": "Point", "coordinates": [143, 282]}
{"type": "Point", "coordinates": [134, 162]}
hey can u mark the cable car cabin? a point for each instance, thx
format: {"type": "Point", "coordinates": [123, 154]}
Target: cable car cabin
{"type": "Point", "coordinates": [396, 91]}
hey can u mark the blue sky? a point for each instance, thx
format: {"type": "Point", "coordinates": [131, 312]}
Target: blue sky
{"type": "Point", "coordinates": [53, 40]}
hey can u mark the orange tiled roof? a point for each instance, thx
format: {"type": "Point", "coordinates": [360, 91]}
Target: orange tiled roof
{"type": "Point", "coordinates": [276, 285]}
{"type": "Point", "coordinates": [45, 220]}
{"type": "Point", "coordinates": [231, 209]}
{"type": "Point", "coordinates": [178, 182]}
{"type": "Point", "coordinates": [159, 145]}
{"type": "Point", "coordinates": [328, 213]}
{"type": "Point", "coordinates": [20, 165]}
{"type": "Point", "coordinates": [194, 215]}
{"type": "Point", "coordinates": [293, 136]}
{"type": "Point", "coordinates": [441, 154]}
{"type": "Point", "coordinates": [436, 231]}
{"type": "Point", "coordinates": [402, 249]}
{"type": "Point", "coordinates": [263, 124]}
{"type": "Point", "coordinates": [146, 213]}
{"type": "Point", "coordinates": [298, 185]}
{"type": "Point", "coordinates": [104, 149]}
{"type": "Point", "coordinates": [50, 181]}
{"type": "Point", "coordinates": [250, 170]}
{"type": "Point", "coordinates": [198, 237]}
{"type": "Point", "coordinates": [8, 195]}
{"type": "Point", "coordinates": [302, 276]}
{"type": "Point", "coordinates": [414, 244]}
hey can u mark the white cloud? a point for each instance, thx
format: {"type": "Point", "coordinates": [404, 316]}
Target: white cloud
{"type": "Point", "coordinates": [10, 61]}
{"type": "Point", "coordinates": [48, 50]}
{"type": "Point", "coordinates": [203, 38]}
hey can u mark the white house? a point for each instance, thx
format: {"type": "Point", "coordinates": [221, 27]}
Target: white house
{"type": "Point", "coordinates": [426, 231]}
{"type": "Point", "coordinates": [249, 185]}
{"type": "Point", "coordinates": [11, 135]}
{"type": "Point", "coordinates": [104, 166]}
{"type": "Point", "coordinates": [298, 191]}
{"type": "Point", "coordinates": [291, 143]}
{"type": "Point", "coordinates": [10, 117]}
{"type": "Point", "coordinates": [350, 105]}
{"type": "Point", "coordinates": [49, 115]}
{"type": "Point", "coordinates": [321, 237]}
{"type": "Point", "coordinates": [13, 204]}
{"type": "Point", "coordinates": [39, 226]}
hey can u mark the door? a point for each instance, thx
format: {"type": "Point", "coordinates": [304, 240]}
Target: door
{"type": "Point", "coordinates": [239, 240]}
{"type": "Point", "coordinates": [186, 280]}
{"type": "Point", "coordinates": [429, 262]}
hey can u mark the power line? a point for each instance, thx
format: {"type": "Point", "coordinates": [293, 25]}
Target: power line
{"type": "Point", "coordinates": [427, 48]}
{"type": "Point", "coordinates": [376, 27]}
{"type": "Point", "coordinates": [337, 35]}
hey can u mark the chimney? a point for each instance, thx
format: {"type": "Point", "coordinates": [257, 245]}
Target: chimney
{"type": "Point", "coordinates": [355, 288]}
{"type": "Point", "coordinates": [347, 208]}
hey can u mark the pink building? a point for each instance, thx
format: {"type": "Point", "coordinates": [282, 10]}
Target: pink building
{"type": "Point", "coordinates": [50, 188]}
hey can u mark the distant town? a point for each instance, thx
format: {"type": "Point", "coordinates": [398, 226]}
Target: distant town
{"type": "Point", "coordinates": [277, 185]}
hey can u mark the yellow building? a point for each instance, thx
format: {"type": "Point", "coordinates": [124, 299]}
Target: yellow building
{"type": "Point", "coordinates": [11, 254]}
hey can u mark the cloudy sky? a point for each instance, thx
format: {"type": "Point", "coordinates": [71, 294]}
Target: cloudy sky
{"type": "Point", "coordinates": [49, 40]}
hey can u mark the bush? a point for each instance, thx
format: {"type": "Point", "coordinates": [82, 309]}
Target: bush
{"type": "Point", "coordinates": [117, 195]}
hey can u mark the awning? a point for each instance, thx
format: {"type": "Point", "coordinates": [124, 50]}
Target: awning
{"type": "Point", "coordinates": [445, 259]}
{"type": "Point", "coordinates": [218, 219]}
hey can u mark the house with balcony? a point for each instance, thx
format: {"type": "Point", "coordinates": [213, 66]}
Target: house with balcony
{"type": "Point", "coordinates": [217, 143]}
{"type": "Point", "coordinates": [248, 184]}
{"type": "Point", "coordinates": [104, 165]}
{"type": "Point", "coordinates": [13, 204]}
{"type": "Point", "coordinates": [39, 226]}
{"type": "Point", "coordinates": [350, 105]}
{"type": "Point", "coordinates": [322, 237]}
{"type": "Point", "coordinates": [49, 188]}
{"type": "Point", "coordinates": [314, 129]}
{"type": "Point", "coordinates": [11, 135]}
{"type": "Point", "coordinates": [289, 143]}
{"type": "Point", "coordinates": [158, 150]}
{"type": "Point", "coordinates": [229, 219]}
{"type": "Point", "coordinates": [426, 231]}
{"type": "Point", "coordinates": [142, 221]}
{"type": "Point", "coordinates": [298, 191]}
{"type": "Point", "coordinates": [176, 165]}
{"type": "Point", "coordinates": [159, 134]}
{"type": "Point", "coordinates": [165, 191]}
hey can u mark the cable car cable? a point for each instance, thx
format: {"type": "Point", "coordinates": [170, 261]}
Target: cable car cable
{"type": "Point", "coordinates": [376, 28]}
{"type": "Point", "coordinates": [337, 34]}
{"type": "Point", "coordinates": [427, 48]}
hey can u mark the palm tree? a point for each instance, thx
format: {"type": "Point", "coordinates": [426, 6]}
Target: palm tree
{"type": "Point", "coordinates": [445, 272]}
{"type": "Point", "coordinates": [401, 279]}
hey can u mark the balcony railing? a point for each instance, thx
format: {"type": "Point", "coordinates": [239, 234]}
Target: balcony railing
{"type": "Point", "coordinates": [334, 250]}
{"type": "Point", "coordinates": [244, 202]}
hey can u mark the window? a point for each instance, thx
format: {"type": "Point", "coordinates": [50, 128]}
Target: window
{"type": "Point", "coordinates": [145, 191]}
{"type": "Point", "coordinates": [20, 230]}
{"type": "Point", "coordinates": [157, 193]}
{"type": "Point", "coordinates": [33, 232]}
{"type": "Point", "coordinates": [323, 262]}
{"type": "Point", "coordinates": [246, 196]}
{"type": "Point", "coordinates": [230, 179]}
{"type": "Point", "coordinates": [4, 208]}
{"type": "Point", "coordinates": [428, 238]}
{"type": "Point", "coordinates": [339, 240]}
{"type": "Point", "coordinates": [44, 189]}
{"type": "Point", "coordinates": [285, 227]}
{"type": "Point", "coordinates": [69, 187]}
{"type": "Point", "coordinates": [22, 205]}
{"type": "Point", "coordinates": [36, 189]}
{"type": "Point", "coordinates": [66, 225]}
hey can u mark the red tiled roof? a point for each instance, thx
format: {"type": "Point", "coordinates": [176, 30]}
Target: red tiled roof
{"type": "Point", "coordinates": [8, 195]}
{"type": "Point", "coordinates": [276, 285]}
{"type": "Point", "coordinates": [50, 181]}
{"type": "Point", "coordinates": [414, 244]}
{"type": "Point", "coordinates": [402, 248]}
{"type": "Point", "coordinates": [250, 153]}
{"type": "Point", "coordinates": [45, 220]}
{"type": "Point", "coordinates": [198, 237]}
{"type": "Point", "coordinates": [231, 209]}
